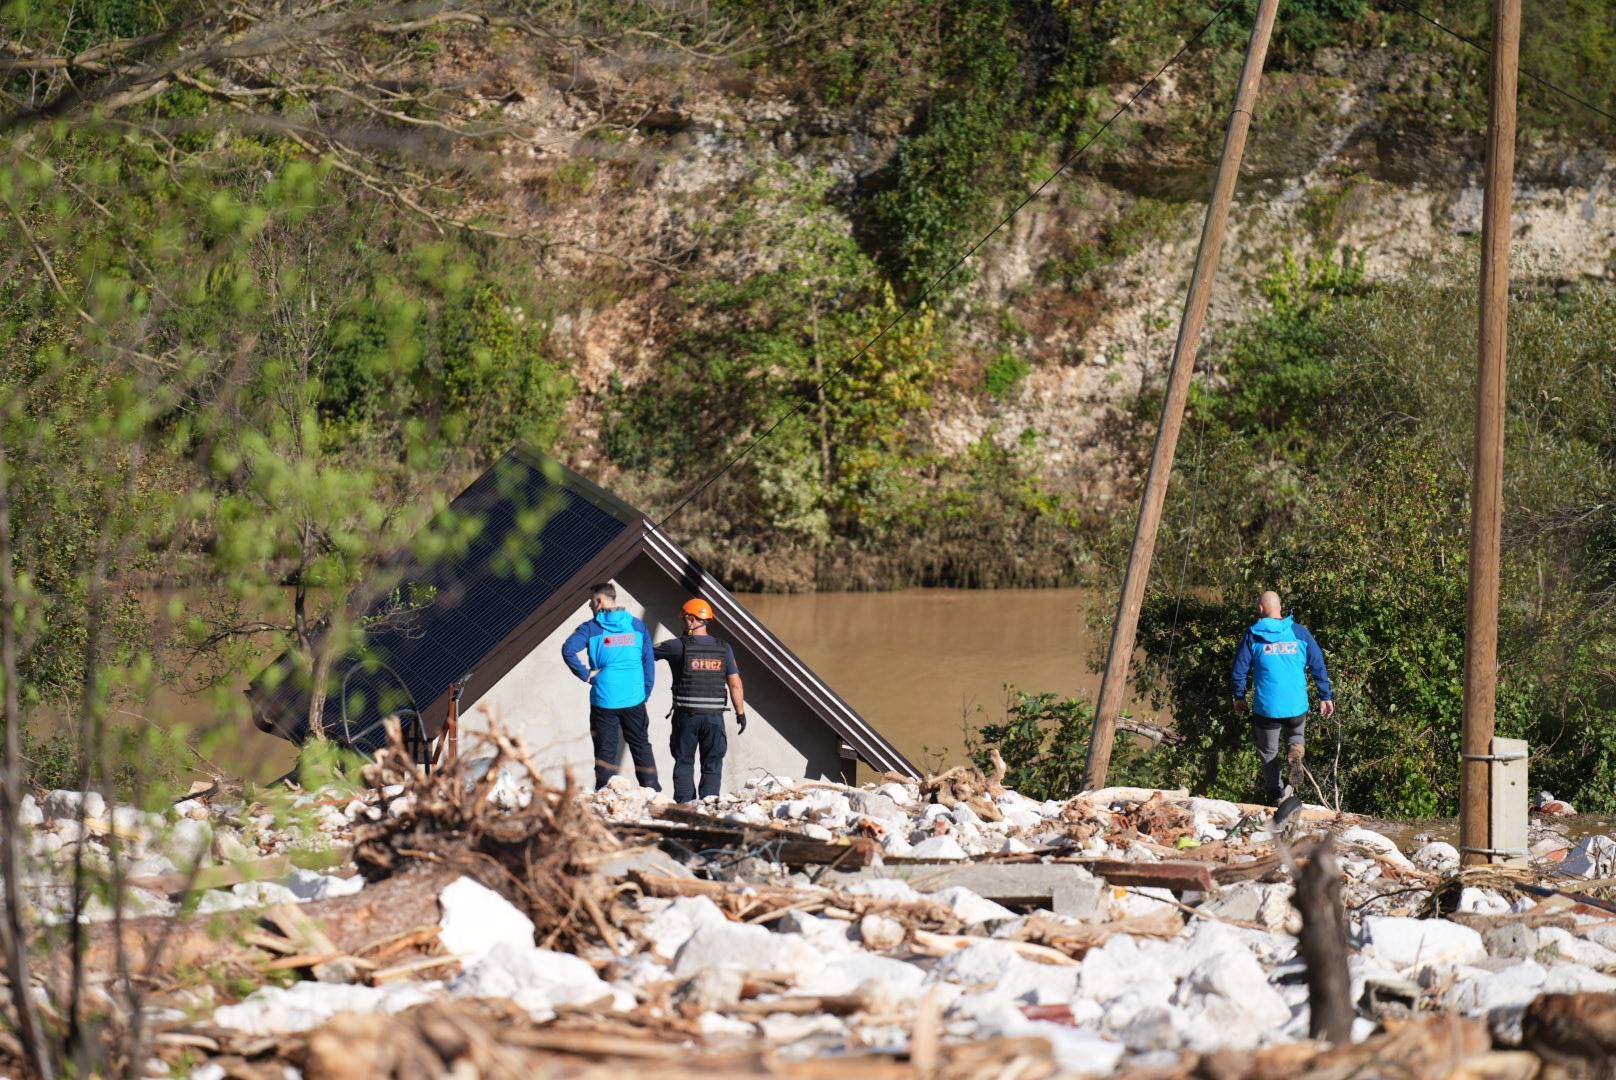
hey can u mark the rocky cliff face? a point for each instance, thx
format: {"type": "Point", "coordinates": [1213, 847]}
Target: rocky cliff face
{"type": "Point", "coordinates": [624, 171]}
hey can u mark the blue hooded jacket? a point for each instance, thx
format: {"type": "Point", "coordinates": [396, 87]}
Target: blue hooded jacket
{"type": "Point", "coordinates": [621, 668]}
{"type": "Point", "coordinates": [1279, 654]}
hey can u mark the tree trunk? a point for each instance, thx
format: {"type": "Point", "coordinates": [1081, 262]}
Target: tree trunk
{"type": "Point", "coordinates": [319, 676]}
{"type": "Point", "coordinates": [12, 929]}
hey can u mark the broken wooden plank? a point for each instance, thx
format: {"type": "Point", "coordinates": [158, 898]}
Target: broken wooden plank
{"type": "Point", "coordinates": [595, 1044]}
{"type": "Point", "coordinates": [402, 902]}
{"type": "Point", "coordinates": [784, 845]}
{"type": "Point", "coordinates": [1177, 876]}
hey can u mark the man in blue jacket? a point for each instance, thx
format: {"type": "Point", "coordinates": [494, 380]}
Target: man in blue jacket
{"type": "Point", "coordinates": [612, 653]}
{"type": "Point", "coordinates": [1279, 655]}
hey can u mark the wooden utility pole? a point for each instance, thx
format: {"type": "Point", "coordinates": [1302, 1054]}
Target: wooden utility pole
{"type": "Point", "coordinates": [1487, 479]}
{"type": "Point", "coordinates": [1114, 686]}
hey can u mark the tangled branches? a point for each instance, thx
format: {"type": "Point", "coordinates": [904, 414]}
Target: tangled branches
{"type": "Point", "coordinates": [538, 849]}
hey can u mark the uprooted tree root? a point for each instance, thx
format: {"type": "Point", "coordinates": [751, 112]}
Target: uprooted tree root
{"type": "Point", "coordinates": [540, 855]}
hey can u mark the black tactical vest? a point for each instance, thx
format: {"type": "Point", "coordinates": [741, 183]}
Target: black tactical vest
{"type": "Point", "coordinates": [701, 685]}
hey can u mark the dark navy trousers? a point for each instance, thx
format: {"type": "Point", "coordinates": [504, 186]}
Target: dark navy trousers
{"type": "Point", "coordinates": [693, 733]}
{"type": "Point", "coordinates": [609, 729]}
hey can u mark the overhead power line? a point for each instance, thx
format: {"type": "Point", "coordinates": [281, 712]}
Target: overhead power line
{"type": "Point", "coordinates": [937, 282]}
{"type": "Point", "coordinates": [1482, 48]}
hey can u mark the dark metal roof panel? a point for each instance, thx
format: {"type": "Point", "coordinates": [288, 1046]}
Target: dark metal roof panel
{"type": "Point", "coordinates": [535, 526]}
{"type": "Point", "coordinates": [545, 533]}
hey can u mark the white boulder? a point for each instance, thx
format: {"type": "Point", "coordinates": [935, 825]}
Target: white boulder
{"type": "Point", "coordinates": [476, 919]}
{"type": "Point", "coordinates": [970, 907]}
{"type": "Point", "coordinates": [310, 885]}
{"type": "Point", "coordinates": [538, 980]}
{"type": "Point", "coordinates": [1406, 943]}
{"type": "Point", "coordinates": [1437, 858]}
{"type": "Point", "coordinates": [303, 1006]}
{"type": "Point", "coordinates": [70, 805]}
{"type": "Point", "coordinates": [1375, 842]}
{"type": "Point", "coordinates": [749, 948]}
{"type": "Point", "coordinates": [28, 813]}
{"type": "Point", "coordinates": [1595, 856]}
{"type": "Point", "coordinates": [670, 928]}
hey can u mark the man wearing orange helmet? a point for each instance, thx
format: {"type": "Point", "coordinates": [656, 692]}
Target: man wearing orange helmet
{"type": "Point", "coordinates": [703, 672]}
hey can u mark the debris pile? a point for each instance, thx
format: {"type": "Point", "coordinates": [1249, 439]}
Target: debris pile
{"type": "Point", "coordinates": [486, 924]}
{"type": "Point", "coordinates": [537, 844]}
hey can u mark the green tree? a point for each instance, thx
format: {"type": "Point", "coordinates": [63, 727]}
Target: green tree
{"type": "Point", "coordinates": [1335, 444]}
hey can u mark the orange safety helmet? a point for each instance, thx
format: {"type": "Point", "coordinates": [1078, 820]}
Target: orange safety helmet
{"type": "Point", "coordinates": [700, 608]}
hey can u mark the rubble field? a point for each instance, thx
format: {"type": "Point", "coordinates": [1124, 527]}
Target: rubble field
{"type": "Point", "coordinates": [474, 921]}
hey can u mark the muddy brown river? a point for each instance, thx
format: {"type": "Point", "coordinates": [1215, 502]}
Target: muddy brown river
{"type": "Point", "coordinates": [922, 665]}
{"type": "Point", "coordinates": [926, 665]}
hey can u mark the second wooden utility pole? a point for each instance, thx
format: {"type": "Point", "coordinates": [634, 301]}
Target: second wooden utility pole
{"type": "Point", "coordinates": [1487, 475]}
{"type": "Point", "coordinates": [1114, 687]}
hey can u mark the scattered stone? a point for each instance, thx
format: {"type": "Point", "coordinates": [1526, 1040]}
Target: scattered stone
{"type": "Point", "coordinates": [791, 1028]}
{"type": "Point", "coordinates": [670, 928]}
{"type": "Point", "coordinates": [1594, 856]}
{"type": "Point", "coordinates": [476, 919]}
{"type": "Point", "coordinates": [308, 885]}
{"type": "Point", "coordinates": [882, 933]}
{"type": "Point", "coordinates": [1375, 842]}
{"type": "Point", "coordinates": [748, 948]}
{"type": "Point", "coordinates": [151, 866]}
{"type": "Point", "coordinates": [228, 847]}
{"type": "Point", "coordinates": [1515, 941]}
{"type": "Point", "coordinates": [189, 840]}
{"type": "Point", "coordinates": [1236, 1005]}
{"type": "Point", "coordinates": [1551, 848]}
{"type": "Point", "coordinates": [1253, 901]}
{"type": "Point", "coordinates": [1476, 901]}
{"type": "Point", "coordinates": [877, 805]}
{"type": "Point", "coordinates": [1405, 943]}
{"type": "Point", "coordinates": [894, 980]}
{"type": "Point", "coordinates": [28, 813]}
{"type": "Point", "coordinates": [538, 980]}
{"type": "Point", "coordinates": [886, 889]}
{"type": "Point", "coordinates": [646, 861]}
{"type": "Point", "coordinates": [75, 804]}
{"type": "Point", "coordinates": [709, 990]}
{"type": "Point", "coordinates": [1437, 858]}
{"type": "Point", "coordinates": [249, 894]}
{"type": "Point", "coordinates": [274, 1010]}
{"type": "Point", "coordinates": [970, 907]}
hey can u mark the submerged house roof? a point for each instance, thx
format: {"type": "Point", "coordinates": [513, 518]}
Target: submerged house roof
{"type": "Point", "coordinates": [539, 536]}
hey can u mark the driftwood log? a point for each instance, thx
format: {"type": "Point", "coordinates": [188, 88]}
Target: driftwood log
{"type": "Point", "coordinates": [156, 945]}
{"type": "Point", "coordinates": [1323, 944]}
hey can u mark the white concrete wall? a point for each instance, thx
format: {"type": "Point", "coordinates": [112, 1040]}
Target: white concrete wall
{"type": "Point", "coordinates": [544, 702]}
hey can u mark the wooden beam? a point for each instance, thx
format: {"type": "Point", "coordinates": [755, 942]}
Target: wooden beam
{"type": "Point", "coordinates": [1177, 876]}
{"type": "Point", "coordinates": [1114, 686]}
{"type": "Point", "coordinates": [784, 845]}
{"type": "Point", "coordinates": [1487, 473]}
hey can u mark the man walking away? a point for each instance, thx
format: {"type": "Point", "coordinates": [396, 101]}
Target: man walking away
{"type": "Point", "coordinates": [1279, 654]}
{"type": "Point", "coordinates": [612, 653]}
{"type": "Point", "coordinates": [703, 670]}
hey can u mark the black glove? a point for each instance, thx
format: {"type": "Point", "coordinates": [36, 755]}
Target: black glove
{"type": "Point", "coordinates": [740, 723]}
